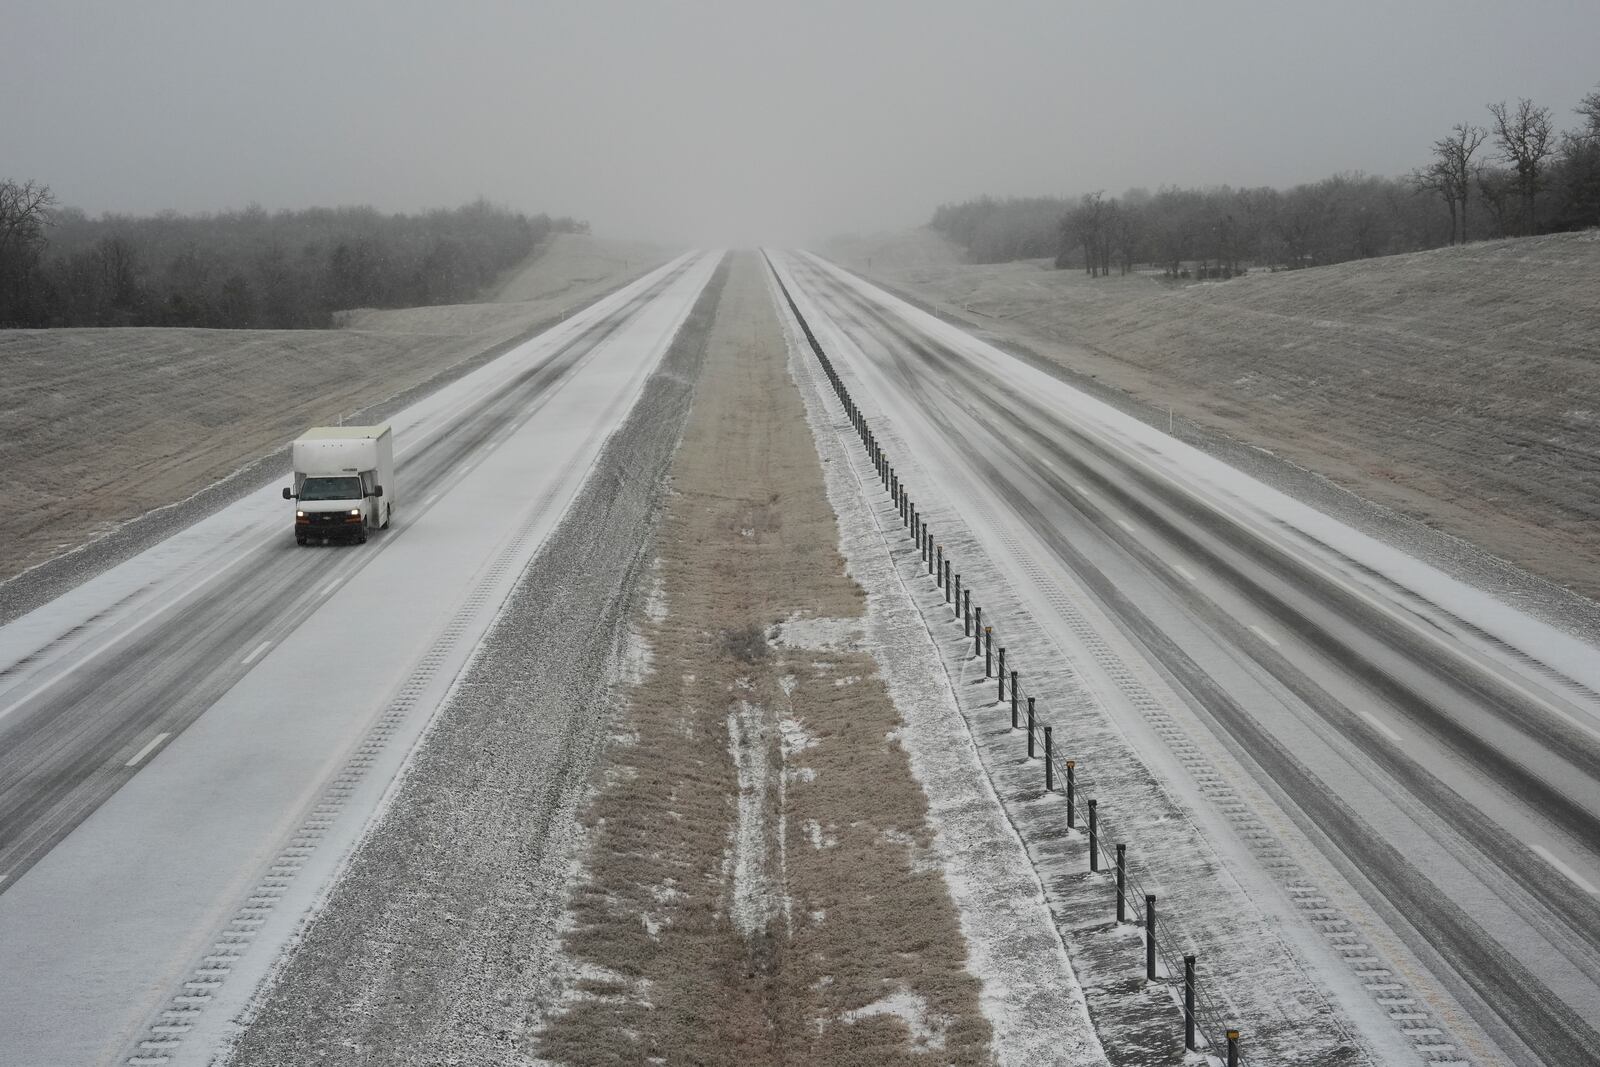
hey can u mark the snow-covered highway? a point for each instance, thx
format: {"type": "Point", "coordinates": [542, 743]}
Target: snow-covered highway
{"type": "Point", "coordinates": [190, 741]}
{"type": "Point", "coordinates": [1430, 755]}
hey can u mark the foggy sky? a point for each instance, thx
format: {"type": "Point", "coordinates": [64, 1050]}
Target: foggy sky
{"type": "Point", "coordinates": [737, 123]}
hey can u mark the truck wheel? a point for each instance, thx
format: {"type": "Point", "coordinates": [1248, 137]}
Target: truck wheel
{"type": "Point", "coordinates": [361, 538]}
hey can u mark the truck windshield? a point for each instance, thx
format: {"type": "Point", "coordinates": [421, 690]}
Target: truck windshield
{"type": "Point", "coordinates": [331, 489]}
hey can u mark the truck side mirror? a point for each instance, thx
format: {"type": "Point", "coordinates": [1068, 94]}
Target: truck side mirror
{"type": "Point", "coordinates": [377, 490]}
{"type": "Point", "coordinates": [288, 494]}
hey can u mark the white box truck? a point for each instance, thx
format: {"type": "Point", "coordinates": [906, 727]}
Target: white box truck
{"type": "Point", "coordinates": [343, 482]}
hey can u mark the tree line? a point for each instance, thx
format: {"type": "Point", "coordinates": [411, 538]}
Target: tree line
{"type": "Point", "coordinates": [250, 268]}
{"type": "Point", "coordinates": [1514, 175]}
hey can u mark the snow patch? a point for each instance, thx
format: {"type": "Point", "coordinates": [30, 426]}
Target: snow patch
{"type": "Point", "coordinates": [655, 600]}
{"type": "Point", "coordinates": [753, 899]}
{"type": "Point", "coordinates": [795, 737]}
{"type": "Point", "coordinates": [927, 1029]}
{"type": "Point", "coordinates": [819, 634]}
{"type": "Point", "coordinates": [819, 838]}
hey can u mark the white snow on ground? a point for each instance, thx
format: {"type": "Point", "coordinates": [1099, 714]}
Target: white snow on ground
{"type": "Point", "coordinates": [927, 1031]}
{"type": "Point", "coordinates": [1030, 995]}
{"type": "Point", "coordinates": [754, 897]}
{"type": "Point", "coordinates": [1085, 662]}
{"type": "Point", "coordinates": [1439, 599]}
{"type": "Point", "coordinates": [822, 634]}
{"type": "Point", "coordinates": [177, 894]}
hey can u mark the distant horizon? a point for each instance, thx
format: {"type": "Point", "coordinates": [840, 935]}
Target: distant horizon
{"type": "Point", "coordinates": [706, 123]}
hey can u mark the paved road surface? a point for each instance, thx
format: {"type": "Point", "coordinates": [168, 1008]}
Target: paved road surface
{"type": "Point", "coordinates": [1438, 761]}
{"type": "Point", "coordinates": [189, 742]}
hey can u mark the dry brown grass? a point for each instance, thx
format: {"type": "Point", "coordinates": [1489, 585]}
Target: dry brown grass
{"type": "Point", "coordinates": [685, 957]}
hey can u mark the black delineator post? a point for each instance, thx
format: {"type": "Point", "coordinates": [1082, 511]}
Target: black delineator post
{"type": "Point", "coordinates": [1030, 727]}
{"type": "Point", "coordinates": [947, 581]}
{"type": "Point", "coordinates": [939, 571]}
{"type": "Point", "coordinates": [988, 651]}
{"type": "Point", "coordinates": [962, 599]}
{"type": "Point", "coordinates": [1014, 700]}
{"type": "Point", "coordinates": [1122, 883]}
{"type": "Point", "coordinates": [1188, 1003]}
{"type": "Point", "coordinates": [1049, 764]}
{"type": "Point", "coordinates": [977, 633]}
{"type": "Point", "coordinates": [1000, 694]}
{"type": "Point", "coordinates": [1150, 937]}
{"type": "Point", "coordinates": [1094, 838]}
{"type": "Point", "coordinates": [966, 618]}
{"type": "Point", "coordinates": [1072, 789]}
{"type": "Point", "coordinates": [1233, 1048]}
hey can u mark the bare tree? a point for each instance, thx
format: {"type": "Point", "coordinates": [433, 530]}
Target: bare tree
{"type": "Point", "coordinates": [1527, 138]}
{"type": "Point", "coordinates": [1589, 109]}
{"type": "Point", "coordinates": [24, 214]}
{"type": "Point", "coordinates": [1452, 170]}
{"type": "Point", "coordinates": [1495, 187]}
{"type": "Point", "coordinates": [119, 279]}
{"type": "Point", "coordinates": [1579, 167]}
{"type": "Point", "coordinates": [1435, 178]}
{"type": "Point", "coordinates": [1090, 225]}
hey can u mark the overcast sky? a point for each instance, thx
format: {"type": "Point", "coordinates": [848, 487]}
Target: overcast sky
{"type": "Point", "coordinates": [749, 122]}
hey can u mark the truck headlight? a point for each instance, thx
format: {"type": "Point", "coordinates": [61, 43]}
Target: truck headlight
{"type": "Point", "coordinates": [356, 512]}
{"type": "Point", "coordinates": [299, 514]}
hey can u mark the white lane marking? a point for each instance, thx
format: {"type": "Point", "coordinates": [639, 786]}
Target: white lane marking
{"type": "Point", "coordinates": [1126, 525]}
{"type": "Point", "coordinates": [251, 658]}
{"type": "Point", "coordinates": [428, 503]}
{"type": "Point", "coordinates": [1269, 639]}
{"type": "Point", "coordinates": [1381, 726]}
{"type": "Point", "coordinates": [1081, 488]}
{"type": "Point", "coordinates": [1577, 879]}
{"type": "Point", "coordinates": [1185, 574]}
{"type": "Point", "coordinates": [149, 747]}
{"type": "Point", "coordinates": [330, 587]}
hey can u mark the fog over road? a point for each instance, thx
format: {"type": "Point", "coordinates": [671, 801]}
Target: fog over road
{"type": "Point", "coordinates": [1440, 748]}
{"type": "Point", "coordinates": [190, 741]}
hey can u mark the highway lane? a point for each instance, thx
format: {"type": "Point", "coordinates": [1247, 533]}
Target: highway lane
{"type": "Point", "coordinates": [1447, 768]}
{"type": "Point", "coordinates": [68, 745]}
{"type": "Point", "coordinates": [143, 933]}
